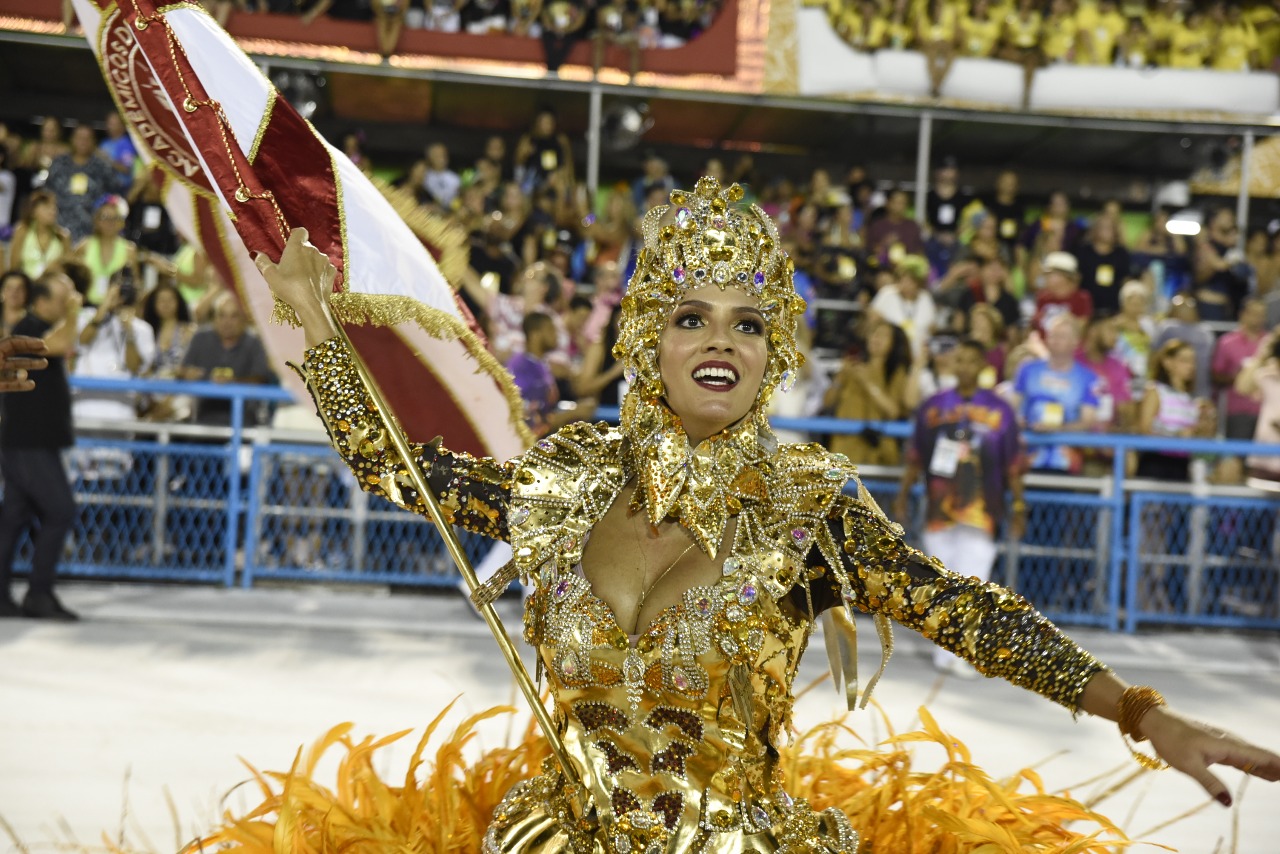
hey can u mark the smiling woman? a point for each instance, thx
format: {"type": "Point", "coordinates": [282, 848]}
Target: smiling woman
{"type": "Point", "coordinates": [680, 562]}
{"type": "Point", "coordinates": [712, 359]}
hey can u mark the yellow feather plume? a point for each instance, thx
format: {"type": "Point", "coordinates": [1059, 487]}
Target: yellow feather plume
{"type": "Point", "coordinates": [443, 805]}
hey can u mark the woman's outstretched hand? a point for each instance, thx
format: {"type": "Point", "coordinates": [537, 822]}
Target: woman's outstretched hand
{"type": "Point", "coordinates": [1192, 747]}
{"type": "Point", "coordinates": [303, 280]}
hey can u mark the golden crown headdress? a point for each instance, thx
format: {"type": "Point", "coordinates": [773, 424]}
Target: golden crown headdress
{"type": "Point", "coordinates": [706, 238]}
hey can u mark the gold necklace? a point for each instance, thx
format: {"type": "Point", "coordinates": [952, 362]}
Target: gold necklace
{"type": "Point", "coordinates": [644, 592]}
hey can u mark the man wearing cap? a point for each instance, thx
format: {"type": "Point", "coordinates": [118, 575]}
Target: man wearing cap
{"type": "Point", "coordinates": [1060, 291]}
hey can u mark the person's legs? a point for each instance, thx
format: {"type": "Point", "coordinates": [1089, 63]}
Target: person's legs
{"type": "Point", "coordinates": [970, 552]}
{"type": "Point", "coordinates": [15, 514]}
{"type": "Point", "coordinates": [55, 506]}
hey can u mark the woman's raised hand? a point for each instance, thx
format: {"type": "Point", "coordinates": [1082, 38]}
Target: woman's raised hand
{"type": "Point", "coordinates": [303, 280]}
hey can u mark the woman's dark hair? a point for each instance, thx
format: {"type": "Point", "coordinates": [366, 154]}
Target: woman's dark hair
{"type": "Point", "coordinates": [152, 316]}
{"type": "Point", "coordinates": [899, 357]}
{"type": "Point", "coordinates": [1171, 348]}
{"type": "Point", "coordinates": [37, 198]}
{"type": "Point", "coordinates": [26, 284]}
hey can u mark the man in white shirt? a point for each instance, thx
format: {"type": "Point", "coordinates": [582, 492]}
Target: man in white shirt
{"type": "Point", "coordinates": [908, 304]}
{"type": "Point", "coordinates": [114, 344]}
{"type": "Point", "coordinates": [440, 182]}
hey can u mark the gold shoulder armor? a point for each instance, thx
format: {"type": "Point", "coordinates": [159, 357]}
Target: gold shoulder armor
{"type": "Point", "coordinates": [561, 487]}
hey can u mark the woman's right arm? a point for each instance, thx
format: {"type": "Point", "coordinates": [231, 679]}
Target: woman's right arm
{"type": "Point", "coordinates": [473, 493]}
{"type": "Point", "coordinates": [14, 259]}
{"type": "Point", "coordinates": [1150, 407]}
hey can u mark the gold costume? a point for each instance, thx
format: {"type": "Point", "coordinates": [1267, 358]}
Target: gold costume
{"type": "Point", "coordinates": [676, 732]}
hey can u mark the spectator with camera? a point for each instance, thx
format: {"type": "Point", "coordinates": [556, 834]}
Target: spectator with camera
{"type": "Point", "coordinates": [1221, 276]}
{"type": "Point", "coordinates": [35, 427]}
{"type": "Point", "coordinates": [114, 343]}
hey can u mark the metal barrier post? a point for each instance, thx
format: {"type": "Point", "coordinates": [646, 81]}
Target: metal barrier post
{"type": "Point", "coordinates": [253, 515]}
{"type": "Point", "coordinates": [1134, 574]}
{"type": "Point", "coordinates": [359, 526]}
{"type": "Point", "coordinates": [233, 487]}
{"type": "Point", "coordinates": [1115, 568]}
{"type": "Point", "coordinates": [160, 513]}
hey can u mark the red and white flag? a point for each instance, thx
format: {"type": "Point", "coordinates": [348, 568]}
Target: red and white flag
{"type": "Point", "coordinates": [241, 168]}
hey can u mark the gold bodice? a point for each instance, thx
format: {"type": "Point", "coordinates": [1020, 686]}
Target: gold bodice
{"type": "Point", "coordinates": [675, 731]}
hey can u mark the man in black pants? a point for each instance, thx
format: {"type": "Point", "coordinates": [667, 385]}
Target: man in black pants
{"type": "Point", "coordinates": [34, 428]}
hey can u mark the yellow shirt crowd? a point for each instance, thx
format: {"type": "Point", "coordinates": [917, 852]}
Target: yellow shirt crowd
{"type": "Point", "coordinates": [1226, 36]}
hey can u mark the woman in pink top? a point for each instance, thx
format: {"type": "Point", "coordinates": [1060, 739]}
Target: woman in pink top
{"type": "Point", "coordinates": [1168, 409]}
{"type": "Point", "coordinates": [1259, 378]}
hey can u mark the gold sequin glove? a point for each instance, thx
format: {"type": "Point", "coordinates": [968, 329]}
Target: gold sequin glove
{"type": "Point", "coordinates": [872, 568]}
{"type": "Point", "coordinates": [473, 492]}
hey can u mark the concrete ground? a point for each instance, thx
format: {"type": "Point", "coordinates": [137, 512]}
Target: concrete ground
{"type": "Point", "coordinates": [155, 695]}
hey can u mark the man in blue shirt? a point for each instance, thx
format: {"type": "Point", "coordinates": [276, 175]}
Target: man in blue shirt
{"type": "Point", "coordinates": [1057, 395]}
{"type": "Point", "coordinates": [120, 152]}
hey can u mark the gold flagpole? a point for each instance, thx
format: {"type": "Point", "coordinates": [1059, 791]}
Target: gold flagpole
{"type": "Point", "coordinates": [419, 481]}
{"type": "Point", "coordinates": [243, 194]}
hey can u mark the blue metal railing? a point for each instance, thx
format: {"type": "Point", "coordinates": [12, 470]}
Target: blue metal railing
{"type": "Point", "coordinates": [243, 504]}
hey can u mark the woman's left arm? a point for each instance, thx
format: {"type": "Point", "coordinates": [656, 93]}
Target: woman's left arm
{"type": "Point", "coordinates": [867, 565]}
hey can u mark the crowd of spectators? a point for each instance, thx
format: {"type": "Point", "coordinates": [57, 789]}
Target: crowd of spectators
{"type": "Point", "coordinates": [559, 24]}
{"type": "Point", "coordinates": [85, 211]}
{"type": "Point", "coordinates": [1228, 36]}
{"type": "Point", "coordinates": [1098, 320]}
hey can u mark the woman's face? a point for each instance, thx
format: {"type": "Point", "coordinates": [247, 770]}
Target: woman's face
{"type": "Point", "coordinates": [1135, 304]}
{"type": "Point", "coordinates": [512, 198]}
{"type": "Point", "coordinates": [980, 326]}
{"type": "Point", "coordinates": [13, 292]}
{"type": "Point", "coordinates": [50, 130]}
{"type": "Point", "coordinates": [495, 149]}
{"type": "Point", "coordinates": [617, 207]}
{"type": "Point", "coordinates": [880, 342]}
{"type": "Point", "coordinates": [1181, 365]}
{"type": "Point", "coordinates": [987, 229]}
{"type": "Point", "coordinates": [166, 304]}
{"type": "Point", "coordinates": [712, 357]}
{"type": "Point", "coordinates": [45, 212]}
{"type": "Point", "coordinates": [533, 284]}
{"type": "Point", "coordinates": [108, 222]}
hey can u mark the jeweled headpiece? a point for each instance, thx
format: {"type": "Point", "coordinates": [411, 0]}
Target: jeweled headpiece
{"type": "Point", "coordinates": [703, 238]}
{"type": "Point", "coordinates": [706, 238]}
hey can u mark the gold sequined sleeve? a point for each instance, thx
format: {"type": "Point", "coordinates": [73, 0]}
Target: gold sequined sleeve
{"type": "Point", "coordinates": [866, 564]}
{"type": "Point", "coordinates": [473, 492]}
